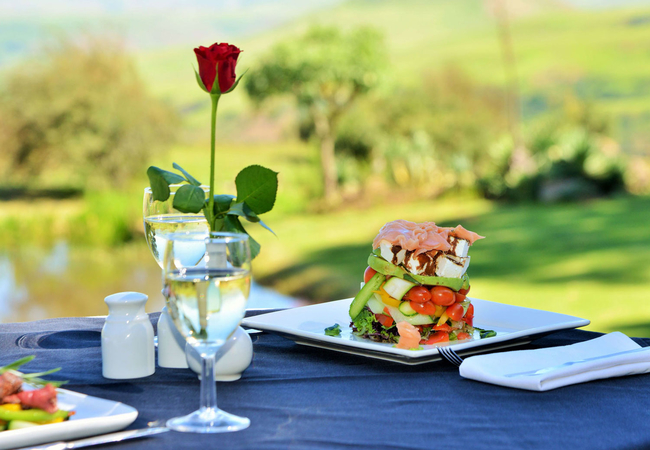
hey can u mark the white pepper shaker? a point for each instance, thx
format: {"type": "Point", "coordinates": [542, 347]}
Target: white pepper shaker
{"type": "Point", "coordinates": [127, 338]}
{"type": "Point", "coordinates": [171, 345]}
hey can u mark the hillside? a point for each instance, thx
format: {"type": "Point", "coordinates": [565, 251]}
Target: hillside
{"type": "Point", "coordinates": [597, 55]}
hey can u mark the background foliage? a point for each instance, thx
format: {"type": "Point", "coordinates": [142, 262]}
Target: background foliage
{"type": "Point", "coordinates": [562, 196]}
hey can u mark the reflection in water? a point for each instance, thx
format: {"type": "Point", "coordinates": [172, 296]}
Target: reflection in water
{"type": "Point", "coordinates": [70, 282]}
{"type": "Point", "coordinates": [10, 293]}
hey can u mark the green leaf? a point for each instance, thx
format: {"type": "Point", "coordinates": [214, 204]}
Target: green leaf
{"type": "Point", "coordinates": [159, 180]}
{"type": "Point", "coordinates": [233, 224]}
{"type": "Point", "coordinates": [189, 199]}
{"type": "Point", "coordinates": [257, 186]}
{"type": "Point", "coordinates": [232, 88]}
{"type": "Point", "coordinates": [199, 80]}
{"type": "Point", "coordinates": [222, 203]}
{"type": "Point", "coordinates": [242, 210]}
{"type": "Point", "coordinates": [267, 227]}
{"type": "Point", "coordinates": [188, 177]}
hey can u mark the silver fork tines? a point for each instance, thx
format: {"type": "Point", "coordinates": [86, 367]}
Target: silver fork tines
{"type": "Point", "coordinates": [450, 356]}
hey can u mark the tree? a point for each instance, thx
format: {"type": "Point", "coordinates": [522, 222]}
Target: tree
{"type": "Point", "coordinates": [325, 71]}
{"type": "Point", "coordinates": [80, 111]}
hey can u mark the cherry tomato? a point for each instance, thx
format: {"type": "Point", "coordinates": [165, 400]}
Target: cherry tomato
{"type": "Point", "coordinates": [461, 336]}
{"type": "Point", "coordinates": [455, 312]}
{"type": "Point", "coordinates": [368, 274]}
{"type": "Point", "coordinates": [438, 336]}
{"type": "Point", "coordinates": [459, 297]}
{"type": "Point", "coordinates": [469, 315]}
{"type": "Point", "coordinates": [443, 296]}
{"type": "Point", "coordinates": [443, 327]}
{"type": "Point", "coordinates": [386, 321]}
{"type": "Point", "coordinates": [463, 291]}
{"type": "Point", "coordinates": [418, 294]}
{"type": "Point", "coordinates": [426, 308]}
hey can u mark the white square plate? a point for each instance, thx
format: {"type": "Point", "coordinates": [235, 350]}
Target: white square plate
{"type": "Point", "coordinates": [515, 325]}
{"type": "Point", "coordinates": [92, 416]}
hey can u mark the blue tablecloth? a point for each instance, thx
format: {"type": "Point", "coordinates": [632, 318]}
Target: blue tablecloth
{"type": "Point", "coordinates": [305, 398]}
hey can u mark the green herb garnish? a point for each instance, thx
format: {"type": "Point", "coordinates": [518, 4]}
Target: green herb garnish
{"type": "Point", "coordinates": [485, 333]}
{"type": "Point", "coordinates": [334, 330]}
{"type": "Point", "coordinates": [31, 378]}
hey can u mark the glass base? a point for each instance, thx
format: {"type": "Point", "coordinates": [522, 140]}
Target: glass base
{"type": "Point", "coordinates": [207, 420]}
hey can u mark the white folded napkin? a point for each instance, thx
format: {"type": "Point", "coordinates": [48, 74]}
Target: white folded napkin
{"type": "Point", "coordinates": [610, 355]}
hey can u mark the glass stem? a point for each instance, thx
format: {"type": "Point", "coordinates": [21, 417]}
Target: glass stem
{"type": "Point", "coordinates": [208, 385]}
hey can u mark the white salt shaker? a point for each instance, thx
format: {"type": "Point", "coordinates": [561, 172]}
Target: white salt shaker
{"type": "Point", "coordinates": [127, 338]}
{"type": "Point", "coordinates": [171, 345]}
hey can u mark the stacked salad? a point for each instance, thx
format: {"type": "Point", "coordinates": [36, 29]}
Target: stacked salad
{"type": "Point", "coordinates": [416, 286]}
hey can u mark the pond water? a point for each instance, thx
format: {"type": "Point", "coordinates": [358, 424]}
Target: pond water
{"type": "Point", "coordinates": [65, 281]}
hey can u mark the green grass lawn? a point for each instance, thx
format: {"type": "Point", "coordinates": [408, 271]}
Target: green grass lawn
{"type": "Point", "coordinates": [591, 260]}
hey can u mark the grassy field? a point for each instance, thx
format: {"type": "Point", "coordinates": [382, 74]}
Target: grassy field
{"type": "Point", "coordinates": [590, 260]}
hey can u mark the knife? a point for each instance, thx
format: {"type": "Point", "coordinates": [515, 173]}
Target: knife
{"type": "Point", "coordinates": [103, 439]}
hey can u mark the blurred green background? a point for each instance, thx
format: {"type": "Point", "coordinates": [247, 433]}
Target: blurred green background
{"type": "Point", "coordinates": [525, 121]}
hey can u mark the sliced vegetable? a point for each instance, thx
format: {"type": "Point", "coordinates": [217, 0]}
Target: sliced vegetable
{"type": "Point", "coordinates": [20, 424]}
{"type": "Point", "coordinates": [385, 298]}
{"type": "Point", "coordinates": [375, 304]}
{"type": "Point", "coordinates": [407, 309]}
{"type": "Point", "coordinates": [397, 287]}
{"type": "Point", "coordinates": [32, 415]}
{"type": "Point", "coordinates": [364, 294]}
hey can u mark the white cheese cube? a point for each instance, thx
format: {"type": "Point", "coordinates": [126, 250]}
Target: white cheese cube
{"type": "Point", "coordinates": [452, 266]}
{"type": "Point", "coordinates": [391, 253]}
{"type": "Point", "coordinates": [459, 247]}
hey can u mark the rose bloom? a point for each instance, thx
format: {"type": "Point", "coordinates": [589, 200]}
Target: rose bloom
{"type": "Point", "coordinates": [221, 58]}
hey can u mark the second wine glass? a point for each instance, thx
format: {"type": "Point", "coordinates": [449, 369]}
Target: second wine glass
{"type": "Point", "coordinates": [162, 219]}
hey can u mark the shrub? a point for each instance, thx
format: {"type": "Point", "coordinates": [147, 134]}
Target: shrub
{"type": "Point", "coordinates": [79, 113]}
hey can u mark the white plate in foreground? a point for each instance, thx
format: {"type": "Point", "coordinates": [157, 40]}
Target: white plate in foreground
{"type": "Point", "coordinates": [515, 325]}
{"type": "Point", "coordinates": [92, 416]}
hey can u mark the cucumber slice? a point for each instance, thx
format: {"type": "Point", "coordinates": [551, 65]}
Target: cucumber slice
{"type": "Point", "coordinates": [397, 287]}
{"type": "Point", "coordinates": [418, 319]}
{"type": "Point", "coordinates": [375, 305]}
{"type": "Point", "coordinates": [405, 308]}
{"type": "Point", "coordinates": [19, 424]}
{"type": "Point", "coordinates": [364, 294]}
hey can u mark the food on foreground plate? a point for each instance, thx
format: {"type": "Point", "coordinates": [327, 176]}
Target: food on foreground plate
{"type": "Point", "coordinates": [416, 286]}
{"type": "Point", "coordinates": [22, 409]}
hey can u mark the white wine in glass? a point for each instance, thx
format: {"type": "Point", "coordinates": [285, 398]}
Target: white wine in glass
{"type": "Point", "coordinates": [206, 296]}
{"type": "Point", "coordinates": [161, 219]}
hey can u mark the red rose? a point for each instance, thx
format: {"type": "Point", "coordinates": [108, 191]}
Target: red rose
{"type": "Point", "coordinates": [221, 58]}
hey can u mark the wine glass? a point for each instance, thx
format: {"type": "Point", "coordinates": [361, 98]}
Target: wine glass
{"type": "Point", "coordinates": [206, 284]}
{"type": "Point", "coordinates": [161, 219]}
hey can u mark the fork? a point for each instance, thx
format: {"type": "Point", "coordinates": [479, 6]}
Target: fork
{"type": "Point", "coordinates": [450, 356]}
